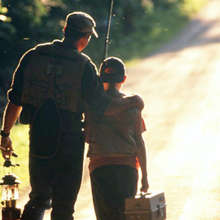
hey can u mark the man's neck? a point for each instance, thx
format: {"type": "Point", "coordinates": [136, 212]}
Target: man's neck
{"type": "Point", "coordinates": [69, 43]}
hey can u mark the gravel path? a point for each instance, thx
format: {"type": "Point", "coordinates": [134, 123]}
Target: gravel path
{"type": "Point", "coordinates": [180, 86]}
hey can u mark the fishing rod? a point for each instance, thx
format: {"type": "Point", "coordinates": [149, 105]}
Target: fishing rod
{"type": "Point", "coordinates": [107, 33]}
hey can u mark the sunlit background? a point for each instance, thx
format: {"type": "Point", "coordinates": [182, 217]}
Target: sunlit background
{"type": "Point", "coordinates": [180, 86]}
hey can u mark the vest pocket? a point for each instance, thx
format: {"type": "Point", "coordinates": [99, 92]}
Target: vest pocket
{"type": "Point", "coordinates": [45, 131]}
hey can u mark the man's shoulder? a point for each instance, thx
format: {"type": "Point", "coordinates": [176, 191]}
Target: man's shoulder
{"type": "Point", "coordinates": [43, 47]}
{"type": "Point", "coordinates": [90, 65]}
{"type": "Point", "coordinates": [86, 57]}
{"type": "Point", "coordinates": [37, 48]}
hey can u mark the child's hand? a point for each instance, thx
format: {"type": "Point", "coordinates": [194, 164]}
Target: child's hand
{"type": "Point", "coordinates": [145, 184]}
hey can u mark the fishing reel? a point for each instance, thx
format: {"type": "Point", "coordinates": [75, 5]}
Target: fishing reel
{"type": "Point", "coordinates": [10, 192]}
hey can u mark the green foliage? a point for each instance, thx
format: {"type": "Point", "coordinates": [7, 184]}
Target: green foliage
{"type": "Point", "coordinates": [33, 21]}
{"type": "Point", "coordinates": [23, 19]}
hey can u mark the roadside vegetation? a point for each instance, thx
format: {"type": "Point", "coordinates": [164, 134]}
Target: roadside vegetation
{"type": "Point", "coordinates": [139, 27]}
{"type": "Point", "coordinates": [19, 136]}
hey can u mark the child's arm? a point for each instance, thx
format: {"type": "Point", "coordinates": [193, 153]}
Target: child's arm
{"type": "Point", "coordinates": [141, 151]}
{"type": "Point", "coordinates": [141, 155]}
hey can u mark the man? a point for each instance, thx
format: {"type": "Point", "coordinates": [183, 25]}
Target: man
{"type": "Point", "coordinates": [49, 85]}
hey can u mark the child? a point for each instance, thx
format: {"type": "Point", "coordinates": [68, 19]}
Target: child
{"type": "Point", "coordinates": [116, 148]}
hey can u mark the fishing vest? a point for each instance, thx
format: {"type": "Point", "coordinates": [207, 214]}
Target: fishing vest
{"type": "Point", "coordinates": [112, 135]}
{"type": "Point", "coordinates": [55, 73]}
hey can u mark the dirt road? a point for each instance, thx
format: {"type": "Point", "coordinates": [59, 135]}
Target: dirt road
{"type": "Point", "coordinates": [180, 85]}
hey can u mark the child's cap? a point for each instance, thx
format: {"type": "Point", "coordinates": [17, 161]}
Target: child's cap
{"type": "Point", "coordinates": [112, 70]}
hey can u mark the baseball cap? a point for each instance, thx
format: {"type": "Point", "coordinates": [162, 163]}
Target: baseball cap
{"type": "Point", "coordinates": [81, 22]}
{"type": "Point", "coordinates": [112, 70]}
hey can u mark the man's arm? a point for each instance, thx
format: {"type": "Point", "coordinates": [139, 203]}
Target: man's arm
{"type": "Point", "coordinates": [13, 108]}
{"type": "Point", "coordinates": [118, 105]}
{"type": "Point", "coordinates": [92, 89]}
{"type": "Point", "coordinates": [10, 116]}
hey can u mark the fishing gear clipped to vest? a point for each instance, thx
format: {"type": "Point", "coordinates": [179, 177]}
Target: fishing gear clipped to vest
{"type": "Point", "coordinates": [10, 192]}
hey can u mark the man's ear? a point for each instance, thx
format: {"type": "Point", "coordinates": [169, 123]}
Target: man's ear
{"type": "Point", "coordinates": [64, 29]}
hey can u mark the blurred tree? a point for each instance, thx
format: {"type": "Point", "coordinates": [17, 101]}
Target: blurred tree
{"type": "Point", "coordinates": [21, 23]}
{"type": "Point", "coordinates": [32, 21]}
{"type": "Point", "coordinates": [166, 4]}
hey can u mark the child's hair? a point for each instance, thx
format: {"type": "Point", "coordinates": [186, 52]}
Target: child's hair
{"type": "Point", "coordinates": [112, 70]}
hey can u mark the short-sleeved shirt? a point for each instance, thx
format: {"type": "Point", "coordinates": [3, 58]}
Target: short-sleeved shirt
{"type": "Point", "coordinates": [131, 161]}
{"type": "Point", "coordinates": [116, 139]}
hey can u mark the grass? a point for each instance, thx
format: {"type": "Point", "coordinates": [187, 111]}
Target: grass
{"type": "Point", "coordinates": [19, 136]}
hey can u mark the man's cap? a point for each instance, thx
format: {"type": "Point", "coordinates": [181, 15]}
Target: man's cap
{"type": "Point", "coordinates": [112, 70]}
{"type": "Point", "coordinates": [81, 22]}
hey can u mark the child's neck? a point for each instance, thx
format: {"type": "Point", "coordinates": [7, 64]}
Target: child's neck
{"type": "Point", "coordinates": [107, 86]}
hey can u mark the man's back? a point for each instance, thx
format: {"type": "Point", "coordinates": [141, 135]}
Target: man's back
{"type": "Point", "coordinates": [54, 72]}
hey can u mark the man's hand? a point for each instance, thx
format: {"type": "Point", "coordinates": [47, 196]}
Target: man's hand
{"type": "Point", "coordinates": [6, 147]}
{"type": "Point", "coordinates": [145, 184]}
{"type": "Point", "coordinates": [136, 101]}
{"type": "Point", "coordinates": [118, 105]}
